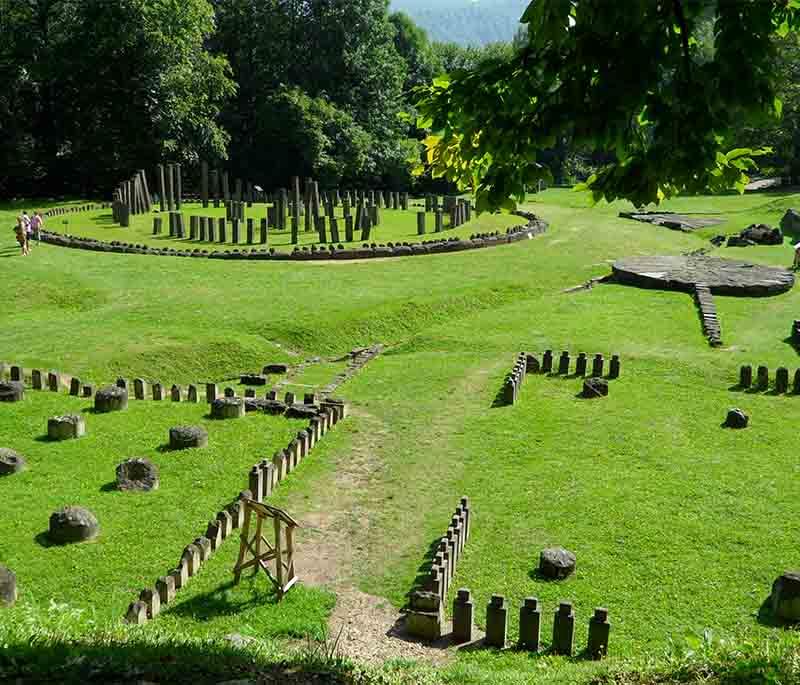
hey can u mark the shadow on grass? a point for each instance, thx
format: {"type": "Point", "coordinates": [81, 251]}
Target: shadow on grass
{"type": "Point", "coordinates": [794, 344]}
{"type": "Point", "coordinates": [424, 569]}
{"type": "Point", "coordinates": [141, 658]}
{"type": "Point", "coordinates": [227, 600]}
{"type": "Point", "coordinates": [766, 617]}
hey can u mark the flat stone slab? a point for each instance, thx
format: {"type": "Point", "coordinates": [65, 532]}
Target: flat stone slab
{"type": "Point", "coordinates": [678, 222]}
{"type": "Point", "coordinates": [722, 276]}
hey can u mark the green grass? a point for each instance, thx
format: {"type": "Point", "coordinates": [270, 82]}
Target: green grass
{"type": "Point", "coordinates": [142, 534]}
{"type": "Point", "coordinates": [679, 525]}
{"type": "Point", "coordinates": [396, 226]}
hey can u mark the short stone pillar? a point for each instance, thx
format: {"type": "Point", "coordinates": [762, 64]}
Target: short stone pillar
{"type": "Point", "coordinates": [597, 365]}
{"type": "Point", "coordinates": [762, 376]}
{"type": "Point", "coordinates": [8, 586]}
{"type": "Point", "coordinates": [289, 399]}
{"type": "Point", "coordinates": [53, 381]}
{"type": "Point", "coordinates": [211, 392]}
{"type": "Point", "coordinates": [421, 223]}
{"type": "Point", "coordinates": [564, 629]}
{"type": "Point", "coordinates": [139, 388]}
{"type": "Point", "coordinates": [547, 361]}
{"type": "Point", "coordinates": [599, 629]}
{"type": "Point", "coordinates": [496, 622]}
{"type": "Point", "coordinates": [67, 427]}
{"type": "Point", "coordinates": [463, 617]}
{"type": "Point", "coordinates": [309, 398]}
{"type": "Point", "coordinates": [136, 614]}
{"type": "Point", "coordinates": [581, 364]}
{"type": "Point", "coordinates": [425, 616]}
{"type": "Point", "coordinates": [36, 380]}
{"type": "Point", "coordinates": [229, 392]}
{"type": "Point", "coordinates": [175, 393]}
{"type": "Point", "coordinates": [782, 380]}
{"type": "Point", "coordinates": [112, 398]}
{"type": "Point", "coordinates": [158, 391]}
{"type": "Point", "coordinates": [796, 383]}
{"type": "Point", "coordinates": [614, 367]}
{"type": "Point", "coordinates": [250, 393]}
{"type": "Point", "coordinates": [75, 387]}
{"type": "Point", "coordinates": [227, 408]}
{"type": "Point", "coordinates": [152, 600]}
{"type": "Point", "coordinates": [745, 376]}
{"type": "Point", "coordinates": [563, 363]}
{"type": "Point", "coordinates": [191, 394]}
{"type": "Point", "coordinates": [530, 624]}
{"type": "Point", "coordinates": [16, 373]}
{"type": "Point", "coordinates": [87, 390]}
{"type": "Point", "coordinates": [165, 586]}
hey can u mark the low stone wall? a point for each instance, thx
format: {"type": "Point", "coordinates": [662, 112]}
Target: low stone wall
{"type": "Point", "coordinates": [262, 480]}
{"type": "Point", "coordinates": [526, 363]}
{"type": "Point", "coordinates": [530, 625]}
{"type": "Point", "coordinates": [761, 382]}
{"type": "Point", "coordinates": [534, 227]}
{"type": "Point", "coordinates": [425, 617]}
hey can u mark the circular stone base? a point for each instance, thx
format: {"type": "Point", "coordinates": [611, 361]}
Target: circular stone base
{"type": "Point", "coordinates": [227, 408]}
{"type": "Point", "coordinates": [12, 391]}
{"type": "Point", "coordinates": [185, 437]}
{"type": "Point", "coordinates": [113, 398]}
{"type": "Point", "coordinates": [722, 276]}
{"type": "Point", "coordinates": [10, 462]}
{"type": "Point", "coordinates": [66, 427]}
{"type": "Point", "coordinates": [72, 524]}
{"type": "Point", "coordinates": [138, 475]}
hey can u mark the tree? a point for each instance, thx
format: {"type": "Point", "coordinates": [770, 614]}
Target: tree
{"type": "Point", "coordinates": [339, 53]}
{"type": "Point", "coordinates": [411, 43]}
{"type": "Point", "coordinates": [101, 88]}
{"type": "Point", "coordinates": [628, 79]}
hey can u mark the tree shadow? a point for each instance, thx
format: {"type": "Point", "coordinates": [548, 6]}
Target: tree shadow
{"type": "Point", "coordinates": [87, 660]}
{"type": "Point", "coordinates": [43, 540]}
{"type": "Point", "coordinates": [500, 399]}
{"type": "Point", "coordinates": [110, 487]}
{"type": "Point", "coordinates": [766, 617]}
{"type": "Point", "coordinates": [228, 599]}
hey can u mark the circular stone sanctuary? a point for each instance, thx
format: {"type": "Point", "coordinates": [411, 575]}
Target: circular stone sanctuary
{"type": "Point", "coordinates": [722, 276]}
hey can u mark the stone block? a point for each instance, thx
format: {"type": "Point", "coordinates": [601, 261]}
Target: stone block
{"type": "Point", "coordinates": [8, 587]}
{"type": "Point", "coordinates": [614, 367]}
{"type": "Point", "coordinates": [745, 376]}
{"type": "Point", "coordinates": [227, 408]}
{"type": "Point", "coordinates": [785, 597]}
{"type": "Point", "coordinates": [191, 394]}
{"type": "Point", "coordinates": [112, 398]}
{"type": "Point", "coordinates": [211, 392]}
{"type": "Point", "coordinates": [165, 586]}
{"type": "Point", "coordinates": [72, 524]}
{"type": "Point", "coordinates": [158, 391]}
{"type": "Point", "coordinates": [53, 381]}
{"type": "Point", "coordinates": [137, 475]}
{"type": "Point", "coordinates": [12, 391]}
{"type": "Point", "coordinates": [530, 622]}
{"type": "Point", "coordinates": [152, 600]}
{"type": "Point", "coordinates": [597, 365]}
{"type": "Point", "coordinates": [187, 437]}
{"type": "Point", "coordinates": [191, 555]}
{"type": "Point", "coordinates": [87, 390]}
{"type": "Point", "coordinates": [225, 523]}
{"type": "Point", "coordinates": [547, 361]}
{"type": "Point", "coordinates": [782, 380]}
{"type": "Point", "coordinates": [229, 392]}
{"type": "Point", "coordinates": [463, 617]}
{"type": "Point", "coordinates": [204, 545]}
{"type": "Point", "coordinates": [762, 376]}
{"type": "Point", "coordinates": [67, 427]}
{"type": "Point", "coordinates": [581, 364]}
{"type": "Point", "coordinates": [136, 614]}
{"type": "Point", "coordinates": [556, 563]}
{"type": "Point", "coordinates": [496, 622]}
{"type": "Point", "coordinates": [736, 418]}
{"type": "Point", "coordinates": [599, 630]}
{"type": "Point", "coordinates": [36, 379]}
{"type": "Point", "coordinates": [564, 629]}
{"type": "Point", "coordinates": [75, 387]}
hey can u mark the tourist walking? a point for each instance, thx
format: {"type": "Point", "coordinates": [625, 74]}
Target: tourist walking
{"type": "Point", "coordinates": [37, 223]}
{"type": "Point", "coordinates": [22, 235]}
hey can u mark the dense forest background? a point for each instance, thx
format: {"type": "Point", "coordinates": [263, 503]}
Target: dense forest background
{"type": "Point", "coordinates": [466, 22]}
{"type": "Point", "coordinates": [91, 90]}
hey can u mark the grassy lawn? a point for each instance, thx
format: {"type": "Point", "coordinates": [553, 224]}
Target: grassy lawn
{"type": "Point", "coordinates": [679, 526]}
{"type": "Point", "coordinates": [142, 534]}
{"type": "Point", "coordinates": [396, 226]}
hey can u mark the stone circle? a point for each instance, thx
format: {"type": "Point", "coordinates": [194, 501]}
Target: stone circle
{"type": "Point", "coordinates": [785, 597]}
{"type": "Point", "coordinates": [12, 391]}
{"type": "Point", "coordinates": [8, 586]}
{"type": "Point", "coordinates": [185, 437]}
{"type": "Point", "coordinates": [595, 387]}
{"type": "Point", "coordinates": [556, 563]}
{"type": "Point", "coordinates": [137, 474]}
{"type": "Point", "coordinates": [112, 398]}
{"type": "Point", "coordinates": [72, 524]}
{"type": "Point", "coordinates": [737, 419]}
{"type": "Point", "coordinates": [66, 427]}
{"type": "Point", "coordinates": [227, 408]}
{"type": "Point", "coordinates": [722, 276]}
{"type": "Point", "coordinates": [10, 462]}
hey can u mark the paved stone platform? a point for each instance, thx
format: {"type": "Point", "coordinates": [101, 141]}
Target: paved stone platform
{"type": "Point", "coordinates": [722, 276]}
{"type": "Point", "coordinates": [678, 222]}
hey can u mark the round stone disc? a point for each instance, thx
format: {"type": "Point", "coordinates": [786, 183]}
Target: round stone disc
{"type": "Point", "coordinates": [722, 276]}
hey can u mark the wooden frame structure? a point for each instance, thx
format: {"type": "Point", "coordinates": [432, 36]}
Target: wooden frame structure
{"type": "Point", "coordinates": [261, 551]}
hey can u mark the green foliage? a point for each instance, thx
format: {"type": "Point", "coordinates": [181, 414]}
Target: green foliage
{"type": "Point", "coordinates": [97, 88]}
{"type": "Point", "coordinates": [630, 80]}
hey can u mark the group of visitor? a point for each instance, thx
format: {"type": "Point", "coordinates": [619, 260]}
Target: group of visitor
{"type": "Point", "coordinates": [27, 230]}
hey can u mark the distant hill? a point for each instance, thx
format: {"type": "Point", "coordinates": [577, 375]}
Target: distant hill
{"type": "Point", "coordinates": [468, 22]}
